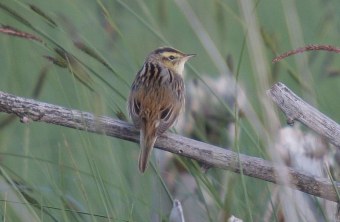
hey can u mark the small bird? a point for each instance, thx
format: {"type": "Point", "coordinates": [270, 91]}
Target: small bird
{"type": "Point", "coordinates": [156, 97]}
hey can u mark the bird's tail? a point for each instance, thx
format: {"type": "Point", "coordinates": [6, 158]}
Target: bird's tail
{"type": "Point", "coordinates": [147, 140]}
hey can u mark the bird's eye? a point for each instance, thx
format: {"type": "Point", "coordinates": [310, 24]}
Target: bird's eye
{"type": "Point", "coordinates": [171, 57]}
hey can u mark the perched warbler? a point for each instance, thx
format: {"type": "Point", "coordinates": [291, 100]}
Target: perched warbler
{"type": "Point", "coordinates": [156, 97]}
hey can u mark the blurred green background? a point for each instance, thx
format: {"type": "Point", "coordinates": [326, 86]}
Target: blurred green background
{"type": "Point", "coordinates": [52, 173]}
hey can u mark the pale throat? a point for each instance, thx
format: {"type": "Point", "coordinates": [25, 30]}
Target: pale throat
{"type": "Point", "coordinates": [180, 67]}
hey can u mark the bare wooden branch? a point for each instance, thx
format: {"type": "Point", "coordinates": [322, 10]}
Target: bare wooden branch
{"type": "Point", "coordinates": [28, 109]}
{"type": "Point", "coordinates": [297, 109]}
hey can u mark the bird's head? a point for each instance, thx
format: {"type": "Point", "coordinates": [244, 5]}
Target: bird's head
{"type": "Point", "coordinates": [170, 58]}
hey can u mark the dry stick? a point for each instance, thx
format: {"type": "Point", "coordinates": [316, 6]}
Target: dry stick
{"type": "Point", "coordinates": [28, 109]}
{"type": "Point", "coordinates": [297, 109]}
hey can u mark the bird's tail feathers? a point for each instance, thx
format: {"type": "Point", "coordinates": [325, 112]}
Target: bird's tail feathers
{"type": "Point", "coordinates": [147, 140]}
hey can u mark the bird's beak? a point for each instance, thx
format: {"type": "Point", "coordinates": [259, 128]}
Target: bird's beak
{"type": "Point", "coordinates": [189, 56]}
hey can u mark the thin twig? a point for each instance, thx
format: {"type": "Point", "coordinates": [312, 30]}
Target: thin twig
{"type": "Point", "coordinates": [311, 47]}
{"type": "Point", "coordinates": [28, 109]}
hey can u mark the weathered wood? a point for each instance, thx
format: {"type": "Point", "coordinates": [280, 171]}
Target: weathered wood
{"type": "Point", "coordinates": [28, 109]}
{"type": "Point", "coordinates": [297, 109]}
